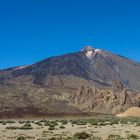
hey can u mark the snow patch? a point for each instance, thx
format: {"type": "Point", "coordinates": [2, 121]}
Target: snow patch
{"type": "Point", "coordinates": [89, 53]}
{"type": "Point", "coordinates": [97, 50]}
{"type": "Point", "coordinates": [21, 67]}
{"type": "Point", "coordinates": [92, 53]}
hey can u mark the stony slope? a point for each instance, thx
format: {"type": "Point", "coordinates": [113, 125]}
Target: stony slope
{"type": "Point", "coordinates": [69, 84]}
{"type": "Point", "coordinates": [131, 112]}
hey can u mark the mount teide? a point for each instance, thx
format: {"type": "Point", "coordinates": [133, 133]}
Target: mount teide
{"type": "Point", "coordinates": [91, 80]}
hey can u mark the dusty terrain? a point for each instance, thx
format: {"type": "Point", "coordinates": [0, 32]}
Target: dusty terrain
{"type": "Point", "coordinates": [98, 129]}
{"type": "Point", "coordinates": [132, 111]}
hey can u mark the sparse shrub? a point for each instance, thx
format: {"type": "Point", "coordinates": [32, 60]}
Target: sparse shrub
{"type": "Point", "coordinates": [40, 124]}
{"type": "Point", "coordinates": [10, 122]}
{"type": "Point", "coordinates": [137, 124]}
{"type": "Point", "coordinates": [82, 135]}
{"type": "Point", "coordinates": [93, 123]}
{"type": "Point", "coordinates": [79, 122]}
{"type": "Point", "coordinates": [52, 138]}
{"type": "Point", "coordinates": [43, 121]}
{"type": "Point", "coordinates": [114, 137]}
{"type": "Point", "coordinates": [51, 128]}
{"type": "Point", "coordinates": [95, 138]}
{"type": "Point", "coordinates": [12, 127]}
{"type": "Point", "coordinates": [114, 121]}
{"type": "Point", "coordinates": [26, 126]}
{"type": "Point", "coordinates": [124, 121]}
{"type": "Point", "coordinates": [74, 121]}
{"type": "Point", "coordinates": [28, 122]}
{"type": "Point", "coordinates": [62, 127]}
{"type": "Point", "coordinates": [132, 137]}
{"type": "Point", "coordinates": [37, 123]}
{"type": "Point", "coordinates": [51, 123]}
{"type": "Point", "coordinates": [64, 122]}
{"type": "Point", "coordinates": [4, 123]}
{"type": "Point", "coordinates": [21, 122]}
{"type": "Point", "coordinates": [103, 124]}
{"type": "Point", "coordinates": [21, 138]}
{"type": "Point", "coordinates": [82, 123]}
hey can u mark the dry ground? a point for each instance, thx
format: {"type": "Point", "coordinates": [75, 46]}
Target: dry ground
{"type": "Point", "coordinates": [101, 128]}
{"type": "Point", "coordinates": [132, 111]}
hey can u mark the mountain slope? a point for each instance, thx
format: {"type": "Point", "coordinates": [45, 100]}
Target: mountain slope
{"type": "Point", "coordinates": [72, 83]}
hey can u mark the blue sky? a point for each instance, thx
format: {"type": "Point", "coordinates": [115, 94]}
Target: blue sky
{"type": "Point", "coordinates": [31, 30]}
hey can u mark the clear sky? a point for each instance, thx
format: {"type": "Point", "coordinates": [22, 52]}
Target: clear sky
{"type": "Point", "coordinates": [31, 30]}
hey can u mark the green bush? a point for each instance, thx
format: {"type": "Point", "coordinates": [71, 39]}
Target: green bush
{"type": "Point", "coordinates": [82, 135]}
{"type": "Point", "coordinates": [51, 128]}
{"type": "Point", "coordinates": [51, 123]}
{"type": "Point", "coordinates": [62, 127]}
{"type": "Point", "coordinates": [26, 126]}
{"type": "Point", "coordinates": [10, 122]}
{"type": "Point", "coordinates": [64, 122]}
{"type": "Point", "coordinates": [12, 127]}
{"type": "Point", "coordinates": [96, 138]}
{"type": "Point", "coordinates": [21, 138]}
{"type": "Point", "coordinates": [93, 123]}
{"type": "Point", "coordinates": [124, 121]}
{"type": "Point", "coordinates": [21, 122]}
{"type": "Point", "coordinates": [114, 121]}
{"type": "Point", "coordinates": [52, 138]}
{"type": "Point", "coordinates": [114, 137]}
{"type": "Point", "coordinates": [132, 137]}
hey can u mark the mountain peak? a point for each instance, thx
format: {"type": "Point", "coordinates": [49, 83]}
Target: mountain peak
{"type": "Point", "coordinates": [90, 51]}
{"type": "Point", "coordinates": [88, 48]}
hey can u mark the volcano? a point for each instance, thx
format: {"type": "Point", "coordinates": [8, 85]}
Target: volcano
{"type": "Point", "coordinates": [88, 81]}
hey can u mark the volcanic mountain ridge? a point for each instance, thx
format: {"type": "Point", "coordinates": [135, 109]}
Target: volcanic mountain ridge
{"type": "Point", "coordinates": [88, 81]}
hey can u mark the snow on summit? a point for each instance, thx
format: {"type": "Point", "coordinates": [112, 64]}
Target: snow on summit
{"type": "Point", "coordinates": [90, 51]}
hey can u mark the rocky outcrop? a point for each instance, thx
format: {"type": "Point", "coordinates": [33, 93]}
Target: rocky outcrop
{"type": "Point", "coordinates": [91, 99]}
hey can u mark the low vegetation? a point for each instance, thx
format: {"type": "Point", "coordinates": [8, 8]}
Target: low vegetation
{"type": "Point", "coordinates": [21, 138]}
{"type": "Point", "coordinates": [82, 135]}
{"type": "Point", "coordinates": [86, 129]}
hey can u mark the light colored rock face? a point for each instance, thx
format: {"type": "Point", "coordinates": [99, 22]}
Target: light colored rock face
{"type": "Point", "coordinates": [89, 98]}
{"type": "Point", "coordinates": [89, 54]}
